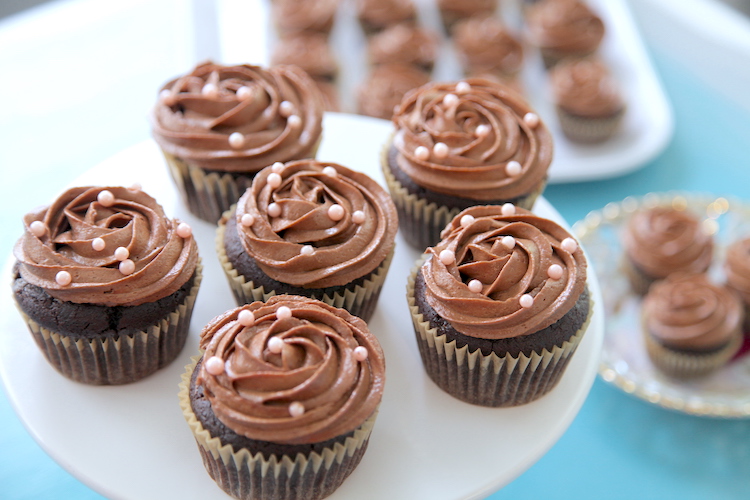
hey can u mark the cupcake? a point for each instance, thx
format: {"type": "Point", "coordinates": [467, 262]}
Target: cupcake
{"type": "Point", "coordinates": [737, 270]}
{"type": "Point", "coordinates": [499, 305]}
{"type": "Point", "coordinates": [106, 284]}
{"type": "Point", "coordinates": [563, 29]}
{"type": "Point", "coordinates": [587, 98]}
{"type": "Point", "coordinates": [386, 86]}
{"type": "Point", "coordinates": [293, 17]}
{"type": "Point", "coordinates": [403, 44]}
{"type": "Point", "coordinates": [474, 142]}
{"type": "Point", "coordinates": [219, 125]}
{"type": "Point", "coordinates": [690, 325]}
{"type": "Point", "coordinates": [284, 398]}
{"type": "Point", "coordinates": [452, 11]}
{"type": "Point", "coordinates": [377, 15]}
{"type": "Point", "coordinates": [663, 240]}
{"type": "Point", "coordinates": [485, 46]}
{"type": "Point", "coordinates": [310, 228]}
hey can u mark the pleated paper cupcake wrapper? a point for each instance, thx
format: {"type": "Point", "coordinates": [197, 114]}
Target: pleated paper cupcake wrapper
{"type": "Point", "coordinates": [488, 380]}
{"type": "Point", "coordinates": [639, 282]}
{"type": "Point", "coordinates": [118, 359]}
{"type": "Point", "coordinates": [360, 300]}
{"type": "Point", "coordinates": [589, 130]}
{"type": "Point", "coordinates": [421, 221]}
{"type": "Point", "coordinates": [687, 365]}
{"type": "Point", "coordinates": [245, 475]}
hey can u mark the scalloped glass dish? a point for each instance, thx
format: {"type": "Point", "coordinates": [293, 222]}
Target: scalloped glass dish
{"type": "Point", "coordinates": [624, 362]}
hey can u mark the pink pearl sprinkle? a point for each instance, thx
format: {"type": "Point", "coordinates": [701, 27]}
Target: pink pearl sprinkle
{"type": "Point", "coordinates": [286, 108]}
{"type": "Point", "coordinates": [330, 171]}
{"type": "Point", "coordinates": [358, 217]}
{"type": "Point", "coordinates": [296, 409]}
{"type": "Point", "coordinates": [440, 149]}
{"type": "Point", "coordinates": [336, 212]}
{"type": "Point", "coordinates": [63, 278]}
{"type": "Point", "coordinates": [360, 353]}
{"type": "Point", "coordinates": [247, 220]}
{"type": "Point", "coordinates": [422, 153]}
{"type": "Point", "coordinates": [294, 121]}
{"type": "Point", "coordinates": [135, 187]}
{"type": "Point", "coordinates": [447, 257]}
{"type": "Point", "coordinates": [475, 286]}
{"type": "Point", "coordinates": [275, 345]}
{"type": "Point", "coordinates": [236, 140]}
{"type": "Point", "coordinates": [526, 301]}
{"type": "Point", "coordinates": [274, 209]}
{"type": "Point", "coordinates": [127, 267]}
{"type": "Point", "coordinates": [531, 119]}
{"type": "Point", "coordinates": [450, 100]}
{"type": "Point", "coordinates": [184, 230]}
{"type": "Point", "coordinates": [555, 271]}
{"type": "Point", "coordinates": [38, 228]}
{"type": "Point", "coordinates": [246, 318]}
{"type": "Point", "coordinates": [274, 180]}
{"type": "Point", "coordinates": [283, 312]}
{"type": "Point", "coordinates": [98, 244]}
{"type": "Point", "coordinates": [166, 97]}
{"type": "Point", "coordinates": [463, 88]}
{"type": "Point", "coordinates": [210, 90]}
{"type": "Point", "coordinates": [244, 93]}
{"type": "Point", "coordinates": [215, 366]}
{"type": "Point", "coordinates": [122, 253]}
{"type": "Point", "coordinates": [467, 220]}
{"type": "Point", "coordinates": [277, 167]}
{"type": "Point", "coordinates": [513, 168]}
{"type": "Point", "coordinates": [106, 198]}
{"type": "Point", "coordinates": [508, 242]}
{"type": "Point", "coordinates": [569, 245]}
{"type": "Point", "coordinates": [482, 130]}
{"type": "Point", "coordinates": [307, 250]}
{"type": "Point", "coordinates": [508, 209]}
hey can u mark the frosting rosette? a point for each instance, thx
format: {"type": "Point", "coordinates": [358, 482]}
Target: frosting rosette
{"type": "Point", "coordinates": [485, 45]}
{"type": "Point", "coordinates": [111, 246]}
{"type": "Point", "coordinates": [688, 312]}
{"type": "Point", "coordinates": [737, 268]}
{"type": "Point", "coordinates": [502, 272]}
{"type": "Point", "coordinates": [474, 139]}
{"type": "Point", "coordinates": [239, 119]}
{"type": "Point", "coordinates": [292, 370]}
{"type": "Point", "coordinates": [585, 88]}
{"type": "Point", "coordinates": [565, 25]}
{"type": "Point", "coordinates": [662, 240]}
{"type": "Point", "coordinates": [316, 224]}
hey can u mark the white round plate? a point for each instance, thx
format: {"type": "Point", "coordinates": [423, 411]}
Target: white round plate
{"type": "Point", "coordinates": [131, 442]}
{"type": "Point", "coordinates": [624, 361]}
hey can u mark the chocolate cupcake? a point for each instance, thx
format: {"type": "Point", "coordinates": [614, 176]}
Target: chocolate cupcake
{"type": "Point", "coordinates": [219, 125]}
{"type": "Point", "coordinates": [294, 17]}
{"type": "Point", "coordinates": [663, 240]}
{"type": "Point", "coordinates": [737, 270]}
{"type": "Point", "coordinates": [106, 284]}
{"type": "Point", "coordinates": [563, 29]}
{"type": "Point", "coordinates": [485, 47]}
{"type": "Point", "coordinates": [310, 228]}
{"type": "Point", "coordinates": [587, 98]}
{"type": "Point", "coordinates": [403, 44]}
{"type": "Point", "coordinates": [283, 401]}
{"type": "Point", "coordinates": [455, 145]}
{"type": "Point", "coordinates": [386, 86]}
{"type": "Point", "coordinates": [452, 11]}
{"type": "Point", "coordinates": [377, 15]}
{"type": "Point", "coordinates": [499, 305]}
{"type": "Point", "coordinates": [691, 326]}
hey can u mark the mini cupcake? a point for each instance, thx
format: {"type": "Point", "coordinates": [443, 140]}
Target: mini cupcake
{"type": "Point", "coordinates": [106, 284]}
{"type": "Point", "coordinates": [587, 98]}
{"type": "Point", "coordinates": [453, 11]}
{"type": "Point", "coordinates": [691, 326]}
{"type": "Point", "coordinates": [283, 401]}
{"type": "Point", "coordinates": [403, 44]}
{"type": "Point", "coordinates": [219, 125]}
{"type": "Point", "coordinates": [386, 86]}
{"type": "Point", "coordinates": [563, 29]}
{"type": "Point", "coordinates": [310, 228]}
{"type": "Point", "coordinates": [499, 306]}
{"type": "Point", "coordinates": [474, 142]}
{"type": "Point", "coordinates": [737, 270]}
{"type": "Point", "coordinates": [294, 17]}
{"type": "Point", "coordinates": [663, 240]}
{"type": "Point", "coordinates": [485, 46]}
{"type": "Point", "coordinates": [378, 15]}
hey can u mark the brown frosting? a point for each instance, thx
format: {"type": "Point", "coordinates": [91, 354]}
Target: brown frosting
{"type": "Point", "coordinates": [687, 311]}
{"type": "Point", "coordinates": [475, 165]}
{"type": "Point", "coordinates": [485, 45]}
{"type": "Point", "coordinates": [737, 268]}
{"type": "Point", "coordinates": [380, 14]}
{"type": "Point", "coordinates": [164, 260]}
{"type": "Point", "coordinates": [585, 87]}
{"type": "Point", "coordinates": [663, 240]}
{"type": "Point", "coordinates": [506, 273]}
{"type": "Point", "coordinates": [385, 88]}
{"type": "Point", "coordinates": [404, 44]}
{"type": "Point", "coordinates": [309, 51]}
{"type": "Point", "coordinates": [459, 9]}
{"type": "Point", "coordinates": [292, 17]}
{"type": "Point", "coordinates": [341, 250]}
{"type": "Point", "coordinates": [197, 114]}
{"type": "Point", "coordinates": [564, 25]}
{"type": "Point", "coordinates": [317, 367]}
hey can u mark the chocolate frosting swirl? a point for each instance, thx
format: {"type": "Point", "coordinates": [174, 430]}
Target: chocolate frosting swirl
{"type": "Point", "coordinates": [380, 14]}
{"type": "Point", "coordinates": [687, 311]}
{"type": "Point", "coordinates": [386, 87]}
{"type": "Point", "coordinates": [197, 114]}
{"type": "Point", "coordinates": [293, 17]}
{"type": "Point", "coordinates": [340, 250]}
{"type": "Point", "coordinates": [403, 44]}
{"type": "Point", "coordinates": [481, 252]}
{"type": "Point", "coordinates": [565, 25]}
{"type": "Point", "coordinates": [737, 268]}
{"type": "Point", "coordinates": [316, 367]}
{"type": "Point", "coordinates": [662, 240]}
{"type": "Point", "coordinates": [309, 51]}
{"type": "Point", "coordinates": [585, 88]}
{"type": "Point", "coordinates": [475, 165]}
{"type": "Point", "coordinates": [164, 261]}
{"type": "Point", "coordinates": [485, 45]}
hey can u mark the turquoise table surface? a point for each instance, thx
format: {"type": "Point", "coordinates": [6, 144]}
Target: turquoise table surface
{"type": "Point", "coordinates": [618, 446]}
